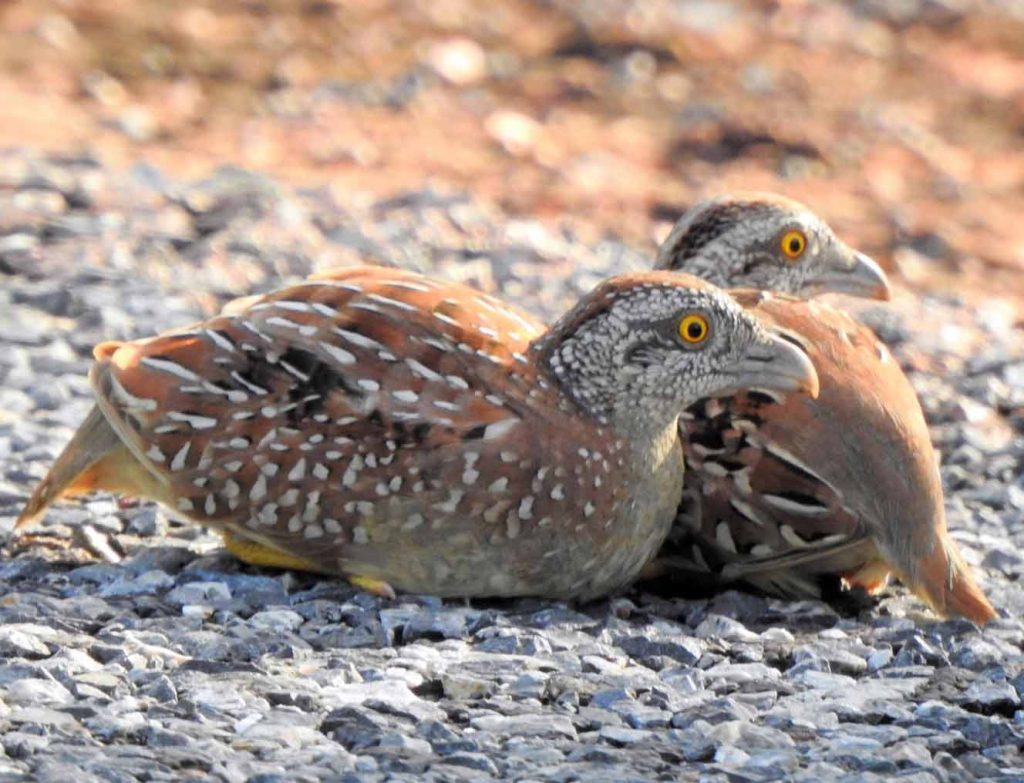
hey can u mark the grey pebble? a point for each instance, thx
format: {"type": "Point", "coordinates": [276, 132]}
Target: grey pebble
{"type": "Point", "coordinates": [526, 725]}
{"type": "Point", "coordinates": [991, 697]}
{"type": "Point", "coordinates": [18, 642]}
{"type": "Point", "coordinates": [31, 693]}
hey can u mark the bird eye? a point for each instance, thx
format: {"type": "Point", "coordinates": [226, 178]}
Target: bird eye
{"type": "Point", "coordinates": [693, 328]}
{"type": "Point", "coordinates": [793, 244]}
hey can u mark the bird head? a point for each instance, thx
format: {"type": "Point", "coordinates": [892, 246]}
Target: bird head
{"type": "Point", "coordinates": [765, 241]}
{"type": "Point", "coordinates": [661, 341]}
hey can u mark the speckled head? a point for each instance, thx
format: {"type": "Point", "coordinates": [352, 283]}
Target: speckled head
{"type": "Point", "coordinates": [656, 342]}
{"type": "Point", "coordinates": [766, 241]}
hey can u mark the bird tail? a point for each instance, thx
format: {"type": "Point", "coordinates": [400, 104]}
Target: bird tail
{"type": "Point", "coordinates": [94, 459]}
{"type": "Point", "coordinates": [945, 581]}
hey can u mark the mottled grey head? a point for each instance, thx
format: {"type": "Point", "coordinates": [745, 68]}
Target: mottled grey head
{"type": "Point", "coordinates": [765, 241]}
{"type": "Point", "coordinates": [651, 344]}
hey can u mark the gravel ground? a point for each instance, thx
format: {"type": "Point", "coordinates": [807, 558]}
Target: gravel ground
{"type": "Point", "coordinates": [134, 648]}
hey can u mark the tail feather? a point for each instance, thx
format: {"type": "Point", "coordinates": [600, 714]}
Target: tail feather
{"type": "Point", "coordinates": [94, 459]}
{"type": "Point", "coordinates": [945, 581]}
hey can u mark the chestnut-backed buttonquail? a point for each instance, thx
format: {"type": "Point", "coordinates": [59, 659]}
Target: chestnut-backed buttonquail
{"type": "Point", "coordinates": [418, 436]}
{"type": "Point", "coordinates": [791, 494]}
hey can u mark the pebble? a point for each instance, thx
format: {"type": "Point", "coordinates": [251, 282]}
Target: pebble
{"type": "Point", "coordinates": [199, 593]}
{"type": "Point", "coordinates": [394, 740]}
{"type": "Point", "coordinates": [726, 628]}
{"type": "Point", "coordinates": [525, 725]}
{"type": "Point", "coordinates": [460, 687]}
{"type": "Point", "coordinates": [660, 638]}
{"type": "Point", "coordinates": [749, 736]}
{"type": "Point", "coordinates": [458, 60]}
{"type": "Point", "coordinates": [618, 735]}
{"type": "Point", "coordinates": [18, 643]}
{"type": "Point", "coordinates": [529, 685]}
{"type": "Point", "coordinates": [991, 697]}
{"type": "Point", "coordinates": [31, 693]}
{"type": "Point", "coordinates": [478, 761]}
{"type": "Point", "coordinates": [276, 620]}
{"type": "Point", "coordinates": [146, 583]}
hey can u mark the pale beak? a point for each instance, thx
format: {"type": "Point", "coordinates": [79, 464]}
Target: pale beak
{"type": "Point", "coordinates": [853, 273]}
{"type": "Point", "coordinates": [775, 364]}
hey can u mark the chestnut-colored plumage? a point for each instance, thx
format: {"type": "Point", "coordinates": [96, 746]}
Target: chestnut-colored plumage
{"type": "Point", "coordinates": [782, 493]}
{"type": "Point", "coordinates": [424, 437]}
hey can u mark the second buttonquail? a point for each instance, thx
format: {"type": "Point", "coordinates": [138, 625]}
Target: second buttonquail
{"type": "Point", "coordinates": [790, 494]}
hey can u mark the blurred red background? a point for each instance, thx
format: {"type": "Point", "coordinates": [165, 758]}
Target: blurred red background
{"type": "Point", "coordinates": [901, 123]}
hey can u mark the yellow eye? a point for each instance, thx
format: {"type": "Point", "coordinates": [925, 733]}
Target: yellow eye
{"type": "Point", "coordinates": [693, 328]}
{"type": "Point", "coordinates": [793, 244]}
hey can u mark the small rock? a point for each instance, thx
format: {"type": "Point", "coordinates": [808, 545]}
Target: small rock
{"type": "Point", "coordinates": [750, 736]}
{"type": "Point", "coordinates": [727, 754]}
{"type": "Point", "coordinates": [32, 693]}
{"type": "Point", "coordinates": [478, 761]}
{"type": "Point", "coordinates": [526, 725]}
{"type": "Point", "coordinates": [459, 60]}
{"type": "Point", "coordinates": [621, 736]}
{"type": "Point", "coordinates": [715, 626]}
{"type": "Point", "coordinates": [515, 131]}
{"type": "Point", "coordinates": [199, 593]}
{"type": "Point", "coordinates": [461, 687]}
{"type": "Point", "coordinates": [17, 643]}
{"type": "Point", "coordinates": [991, 697]}
{"type": "Point", "coordinates": [276, 620]}
{"type": "Point", "coordinates": [530, 685]}
{"type": "Point", "coordinates": [412, 745]}
{"type": "Point", "coordinates": [147, 583]}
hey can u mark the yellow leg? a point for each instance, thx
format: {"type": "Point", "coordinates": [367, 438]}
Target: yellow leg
{"type": "Point", "coordinates": [873, 576]}
{"type": "Point", "coordinates": [373, 586]}
{"type": "Point", "coordinates": [257, 554]}
{"type": "Point", "coordinates": [254, 553]}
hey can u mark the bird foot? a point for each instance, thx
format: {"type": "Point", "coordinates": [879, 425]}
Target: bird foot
{"type": "Point", "coordinates": [373, 586]}
{"type": "Point", "coordinates": [257, 554]}
{"type": "Point", "coordinates": [872, 577]}
{"type": "Point", "coordinates": [264, 556]}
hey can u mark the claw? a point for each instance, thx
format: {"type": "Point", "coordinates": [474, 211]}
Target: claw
{"type": "Point", "coordinates": [873, 577]}
{"type": "Point", "coordinates": [373, 586]}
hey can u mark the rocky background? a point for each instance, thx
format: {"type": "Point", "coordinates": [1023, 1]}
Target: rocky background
{"type": "Point", "coordinates": [161, 158]}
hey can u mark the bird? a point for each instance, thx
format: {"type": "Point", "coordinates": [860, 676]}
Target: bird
{"type": "Point", "coordinates": [765, 241]}
{"type": "Point", "coordinates": [792, 496]}
{"type": "Point", "coordinates": [417, 436]}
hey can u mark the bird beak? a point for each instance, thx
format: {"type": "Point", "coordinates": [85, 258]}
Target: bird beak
{"type": "Point", "coordinates": [775, 364]}
{"type": "Point", "coordinates": [853, 273]}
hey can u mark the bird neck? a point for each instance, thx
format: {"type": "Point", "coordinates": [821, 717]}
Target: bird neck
{"type": "Point", "coordinates": [592, 382]}
{"type": "Point", "coordinates": [653, 440]}
{"type": "Point", "coordinates": [587, 388]}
